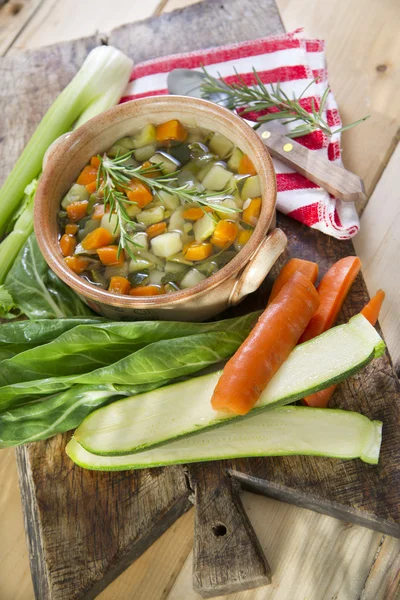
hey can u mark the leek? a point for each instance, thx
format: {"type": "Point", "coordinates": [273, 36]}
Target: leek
{"type": "Point", "coordinates": [97, 86]}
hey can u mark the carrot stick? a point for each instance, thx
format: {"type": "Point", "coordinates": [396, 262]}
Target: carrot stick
{"type": "Point", "coordinates": [332, 291]}
{"type": "Point", "coordinates": [269, 344]}
{"type": "Point", "coordinates": [294, 265]}
{"type": "Point", "coordinates": [371, 313]}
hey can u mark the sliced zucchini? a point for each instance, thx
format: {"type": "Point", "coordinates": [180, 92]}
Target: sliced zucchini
{"type": "Point", "coordinates": [151, 216]}
{"type": "Point", "coordinates": [145, 137]}
{"type": "Point", "coordinates": [220, 145]}
{"type": "Point", "coordinates": [110, 221]}
{"type": "Point", "coordinates": [139, 264]}
{"type": "Point", "coordinates": [192, 278]}
{"type": "Point", "coordinates": [283, 431]}
{"type": "Point", "coordinates": [203, 228]}
{"type": "Point", "coordinates": [232, 211]}
{"type": "Point", "coordinates": [170, 201]}
{"type": "Point", "coordinates": [234, 161]}
{"type": "Point", "coordinates": [251, 188]}
{"type": "Point", "coordinates": [155, 277]}
{"type": "Point", "coordinates": [181, 409]}
{"type": "Point", "coordinates": [142, 154]}
{"type": "Point", "coordinates": [216, 178]}
{"type": "Point", "coordinates": [168, 164]}
{"type": "Point", "coordinates": [176, 221]}
{"type": "Point", "coordinates": [77, 193]}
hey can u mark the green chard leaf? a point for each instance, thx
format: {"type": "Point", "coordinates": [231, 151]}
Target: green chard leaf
{"type": "Point", "coordinates": [7, 305]}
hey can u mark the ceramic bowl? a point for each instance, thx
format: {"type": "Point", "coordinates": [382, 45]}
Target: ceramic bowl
{"type": "Point", "coordinates": [228, 286]}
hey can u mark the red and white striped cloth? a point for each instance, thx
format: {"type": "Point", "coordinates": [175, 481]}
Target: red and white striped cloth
{"type": "Point", "coordinates": [294, 62]}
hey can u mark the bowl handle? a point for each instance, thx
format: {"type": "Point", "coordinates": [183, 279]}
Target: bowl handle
{"type": "Point", "coordinates": [52, 147]}
{"type": "Point", "coordinates": [259, 266]}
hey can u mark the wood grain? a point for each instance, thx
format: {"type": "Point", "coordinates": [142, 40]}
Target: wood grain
{"type": "Point", "coordinates": [14, 15]}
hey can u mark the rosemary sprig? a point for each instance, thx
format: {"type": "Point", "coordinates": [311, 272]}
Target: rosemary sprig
{"type": "Point", "coordinates": [117, 173]}
{"type": "Point", "coordinates": [258, 97]}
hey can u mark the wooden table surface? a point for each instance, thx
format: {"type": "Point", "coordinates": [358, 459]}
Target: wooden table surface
{"type": "Point", "coordinates": [312, 556]}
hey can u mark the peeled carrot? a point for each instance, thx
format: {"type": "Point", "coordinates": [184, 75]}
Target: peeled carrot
{"type": "Point", "coordinates": [139, 193]}
{"type": "Point", "coordinates": [147, 290]}
{"type": "Point", "coordinates": [371, 313]}
{"type": "Point", "coordinates": [269, 344]}
{"type": "Point", "coordinates": [243, 237]}
{"type": "Point", "coordinates": [152, 172]}
{"type": "Point", "coordinates": [194, 213]}
{"type": "Point", "coordinates": [98, 212]}
{"type": "Point", "coordinates": [156, 229]}
{"type": "Point", "coordinates": [246, 167]}
{"type": "Point", "coordinates": [119, 285]}
{"type": "Point", "coordinates": [91, 187]}
{"type": "Point", "coordinates": [97, 238]}
{"type": "Point", "coordinates": [88, 175]}
{"type": "Point", "coordinates": [294, 265]}
{"type": "Point", "coordinates": [171, 131]}
{"type": "Point", "coordinates": [77, 210]}
{"type": "Point", "coordinates": [67, 244]}
{"type": "Point", "coordinates": [95, 161]}
{"type": "Point", "coordinates": [71, 228]}
{"type": "Point", "coordinates": [332, 291]}
{"type": "Point", "coordinates": [198, 250]}
{"type": "Point", "coordinates": [252, 212]}
{"type": "Point", "coordinates": [224, 234]}
{"type": "Point", "coordinates": [77, 264]}
{"type": "Point", "coordinates": [109, 256]}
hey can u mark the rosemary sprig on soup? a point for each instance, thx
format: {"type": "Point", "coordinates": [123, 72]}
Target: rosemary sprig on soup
{"type": "Point", "coordinates": [160, 211]}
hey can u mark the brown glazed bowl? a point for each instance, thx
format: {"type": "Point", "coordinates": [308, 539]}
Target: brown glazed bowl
{"type": "Point", "coordinates": [228, 286]}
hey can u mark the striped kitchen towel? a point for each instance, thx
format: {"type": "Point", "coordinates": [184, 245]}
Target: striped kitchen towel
{"type": "Point", "coordinates": [294, 62]}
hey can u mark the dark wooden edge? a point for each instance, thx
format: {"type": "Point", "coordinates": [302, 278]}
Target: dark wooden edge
{"type": "Point", "coordinates": [332, 509]}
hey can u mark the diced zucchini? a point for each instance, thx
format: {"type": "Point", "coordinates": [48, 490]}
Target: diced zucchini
{"type": "Point", "coordinates": [141, 242]}
{"type": "Point", "coordinates": [132, 209]}
{"type": "Point", "coordinates": [204, 228]}
{"type": "Point", "coordinates": [145, 137]}
{"type": "Point", "coordinates": [171, 287]}
{"type": "Point", "coordinates": [142, 154]}
{"type": "Point", "coordinates": [204, 170]}
{"type": "Point", "coordinates": [170, 201]}
{"type": "Point", "coordinates": [166, 244]}
{"type": "Point", "coordinates": [208, 268]}
{"type": "Point", "coordinates": [155, 277]}
{"type": "Point", "coordinates": [179, 259]}
{"type": "Point", "coordinates": [192, 277]}
{"type": "Point", "coordinates": [90, 225]}
{"type": "Point", "coordinates": [140, 264]}
{"type": "Point", "coordinates": [151, 216]}
{"type": "Point", "coordinates": [220, 145]}
{"type": "Point", "coordinates": [175, 267]}
{"type": "Point", "coordinates": [168, 164]}
{"type": "Point", "coordinates": [186, 177]}
{"type": "Point", "coordinates": [216, 178]}
{"type": "Point", "coordinates": [77, 193]}
{"type": "Point", "coordinates": [116, 271]}
{"type": "Point", "coordinates": [188, 227]}
{"type": "Point", "coordinates": [176, 220]}
{"type": "Point", "coordinates": [234, 161]}
{"type": "Point", "coordinates": [138, 278]}
{"type": "Point", "coordinates": [121, 147]}
{"type": "Point", "coordinates": [197, 135]}
{"type": "Point", "coordinates": [152, 258]}
{"type": "Point", "coordinates": [233, 214]}
{"type": "Point", "coordinates": [251, 188]}
{"type": "Point", "coordinates": [110, 221]}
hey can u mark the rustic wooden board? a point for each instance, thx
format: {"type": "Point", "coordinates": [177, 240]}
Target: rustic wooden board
{"type": "Point", "coordinates": [84, 528]}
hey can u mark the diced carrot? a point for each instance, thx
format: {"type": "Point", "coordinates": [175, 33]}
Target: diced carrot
{"type": "Point", "coordinates": [91, 187]}
{"type": "Point", "coordinates": [147, 290]}
{"type": "Point", "coordinates": [156, 229]}
{"type": "Point", "coordinates": [98, 212]}
{"type": "Point", "coordinates": [246, 166]}
{"type": "Point", "coordinates": [243, 237]}
{"type": "Point", "coordinates": [195, 213]}
{"type": "Point", "coordinates": [332, 290]}
{"type": "Point", "coordinates": [269, 344]}
{"type": "Point", "coordinates": [77, 264]}
{"type": "Point", "coordinates": [372, 309]}
{"type": "Point", "coordinates": [371, 313]}
{"type": "Point", "coordinates": [252, 212]}
{"type": "Point", "coordinates": [77, 210]}
{"type": "Point", "coordinates": [139, 193]}
{"type": "Point", "coordinates": [95, 161]}
{"type": "Point", "coordinates": [154, 172]}
{"type": "Point", "coordinates": [294, 265]}
{"type": "Point", "coordinates": [67, 244]}
{"type": "Point", "coordinates": [198, 250]}
{"type": "Point", "coordinates": [71, 228]}
{"type": "Point", "coordinates": [109, 255]}
{"type": "Point", "coordinates": [171, 131]}
{"type": "Point", "coordinates": [224, 234]}
{"type": "Point", "coordinates": [119, 285]}
{"type": "Point", "coordinates": [88, 175]}
{"type": "Point", "coordinates": [97, 239]}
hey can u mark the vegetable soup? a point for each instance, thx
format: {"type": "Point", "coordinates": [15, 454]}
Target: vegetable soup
{"type": "Point", "coordinates": [160, 211]}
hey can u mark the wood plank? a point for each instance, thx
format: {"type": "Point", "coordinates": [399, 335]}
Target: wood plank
{"type": "Point", "coordinates": [377, 244]}
{"type": "Point", "coordinates": [14, 16]}
{"type": "Point", "coordinates": [363, 56]}
{"type": "Point", "coordinates": [383, 581]}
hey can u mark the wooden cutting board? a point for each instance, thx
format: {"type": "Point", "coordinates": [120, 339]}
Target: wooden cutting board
{"type": "Point", "coordinates": [84, 528]}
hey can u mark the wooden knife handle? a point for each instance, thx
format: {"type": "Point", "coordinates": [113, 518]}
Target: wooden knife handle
{"type": "Point", "coordinates": [339, 182]}
{"type": "Point", "coordinates": [227, 555]}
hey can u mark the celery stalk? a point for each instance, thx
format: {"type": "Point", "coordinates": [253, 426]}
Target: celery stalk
{"type": "Point", "coordinates": [97, 86]}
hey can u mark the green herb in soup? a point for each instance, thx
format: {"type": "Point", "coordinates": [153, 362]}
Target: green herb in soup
{"type": "Point", "coordinates": [160, 211]}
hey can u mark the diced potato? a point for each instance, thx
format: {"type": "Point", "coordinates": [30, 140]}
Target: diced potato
{"type": "Point", "coordinates": [187, 228]}
{"type": "Point", "coordinates": [170, 201]}
{"type": "Point", "coordinates": [203, 228]}
{"type": "Point", "coordinates": [216, 178]}
{"type": "Point", "coordinates": [192, 277]}
{"type": "Point", "coordinates": [140, 264]}
{"type": "Point", "coordinates": [142, 154]}
{"type": "Point", "coordinates": [168, 164]}
{"type": "Point", "coordinates": [227, 214]}
{"type": "Point", "coordinates": [234, 161]}
{"type": "Point", "coordinates": [110, 222]}
{"type": "Point", "coordinates": [220, 145]}
{"type": "Point", "coordinates": [155, 276]}
{"type": "Point", "coordinates": [197, 135]}
{"type": "Point", "coordinates": [251, 188]}
{"type": "Point", "coordinates": [145, 137]}
{"type": "Point", "coordinates": [151, 216]}
{"type": "Point", "coordinates": [132, 209]}
{"type": "Point", "coordinates": [77, 193]}
{"type": "Point", "coordinates": [176, 220]}
{"type": "Point", "coordinates": [166, 244]}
